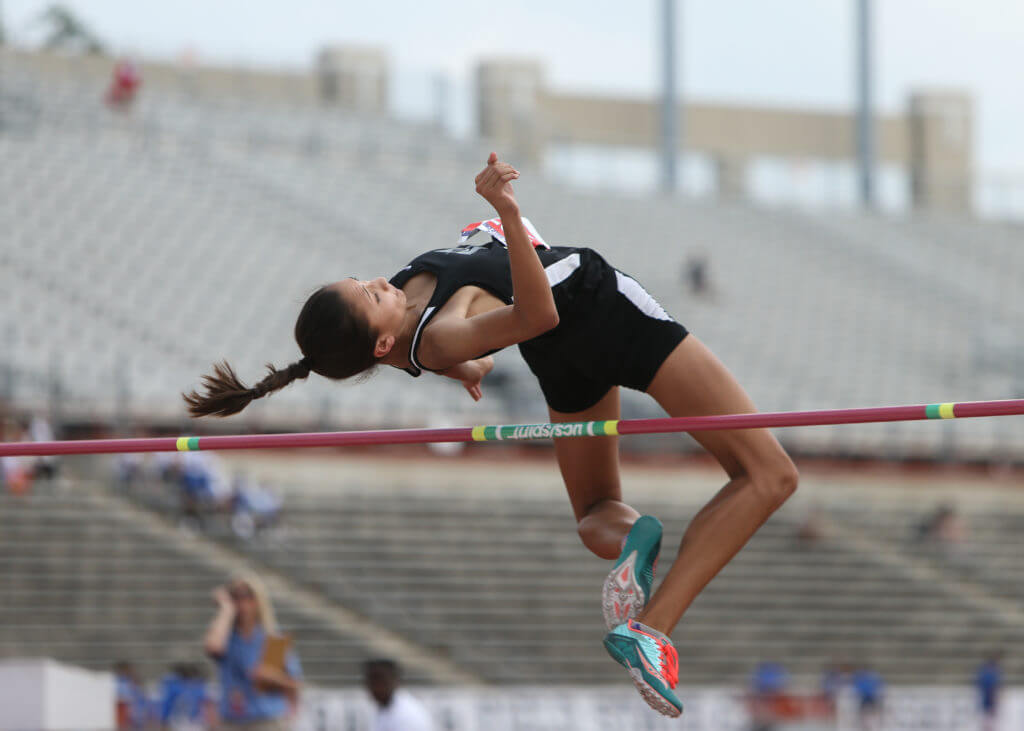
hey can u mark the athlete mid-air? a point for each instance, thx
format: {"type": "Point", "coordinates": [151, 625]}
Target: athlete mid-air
{"type": "Point", "coordinates": [585, 329]}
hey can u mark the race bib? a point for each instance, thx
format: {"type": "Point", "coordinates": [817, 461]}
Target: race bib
{"type": "Point", "coordinates": [494, 228]}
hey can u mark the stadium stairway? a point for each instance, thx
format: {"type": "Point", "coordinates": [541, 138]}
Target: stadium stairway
{"type": "Point", "coordinates": [89, 578]}
{"type": "Point", "coordinates": [984, 563]}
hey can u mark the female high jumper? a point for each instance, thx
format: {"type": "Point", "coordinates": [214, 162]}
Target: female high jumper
{"type": "Point", "coordinates": [585, 329]}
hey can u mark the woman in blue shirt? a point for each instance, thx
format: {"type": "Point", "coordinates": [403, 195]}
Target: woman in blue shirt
{"type": "Point", "coordinates": [253, 695]}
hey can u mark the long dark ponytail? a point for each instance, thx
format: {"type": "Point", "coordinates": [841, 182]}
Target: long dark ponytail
{"type": "Point", "coordinates": [335, 342]}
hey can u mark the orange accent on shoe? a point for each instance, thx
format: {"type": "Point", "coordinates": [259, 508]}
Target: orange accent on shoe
{"type": "Point", "coordinates": [669, 663]}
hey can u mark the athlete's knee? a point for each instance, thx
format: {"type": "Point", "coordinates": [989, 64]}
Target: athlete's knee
{"type": "Point", "coordinates": [597, 541]}
{"type": "Point", "coordinates": [603, 525]}
{"type": "Point", "coordinates": [777, 481]}
{"type": "Point", "coordinates": [789, 479]}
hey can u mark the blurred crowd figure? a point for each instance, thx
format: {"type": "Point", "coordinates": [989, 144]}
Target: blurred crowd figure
{"type": "Point", "coordinates": [260, 674]}
{"type": "Point", "coordinates": [124, 85]}
{"type": "Point", "coordinates": [769, 684]}
{"type": "Point", "coordinates": [206, 488]}
{"type": "Point", "coordinates": [943, 529]}
{"type": "Point", "coordinates": [696, 276]}
{"type": "Point", "coordinates": [397, 709]}
{"type": "Point", "coordinates": [185, 701]}
{"type": "Point", "coordinates": [17, 474]}
{"type": "Point", "coordinates": [869, 688]}
{"type": "Point", "coordinates": [833, 679]}
{"type": "Point", "coordinates": [135, 709]}
{"type": "Point", "coordinates": [772, 704]}
{"type": "Point", "coordinates": [989, 683]}
{"type": "Point", "coordinates": [182, 701]}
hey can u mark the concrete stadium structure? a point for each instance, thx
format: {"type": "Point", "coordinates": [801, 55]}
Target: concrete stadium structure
{"type": "Point", "coordinates": [139, 248]}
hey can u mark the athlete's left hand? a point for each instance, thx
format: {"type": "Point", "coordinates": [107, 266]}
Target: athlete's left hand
{"type": "Point", "coordinates": [494, 184]}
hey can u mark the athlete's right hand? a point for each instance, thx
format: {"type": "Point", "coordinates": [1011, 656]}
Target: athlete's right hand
{"type": "Point", "coordinates": [494, 184]}
{"type": "Point", "coordinates": [479, 368]}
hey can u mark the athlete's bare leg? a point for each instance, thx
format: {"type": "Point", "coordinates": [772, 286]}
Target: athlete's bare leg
{"type": "Point", "coordinates": [590, 469]}
{"type": "Point", "coordinates": [692, 382]}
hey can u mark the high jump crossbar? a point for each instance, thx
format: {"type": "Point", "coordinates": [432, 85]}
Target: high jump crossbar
{"type": "Point", "coordinates": [520, 431]}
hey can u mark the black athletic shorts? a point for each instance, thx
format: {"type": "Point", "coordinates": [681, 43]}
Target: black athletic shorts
{"type": "Point", "coordinates": [611, 332]}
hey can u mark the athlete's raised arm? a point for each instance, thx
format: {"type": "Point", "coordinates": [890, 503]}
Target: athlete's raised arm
{"type": "Point", "coordinates": [453, 340]}
{"type": "Point", "coordinates": [534, 304]}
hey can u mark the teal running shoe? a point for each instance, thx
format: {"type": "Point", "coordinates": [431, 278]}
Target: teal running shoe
{"type": "Point", "coordinates": [628, 586]}
{"type": "Point", "coordinates": [652, 662]}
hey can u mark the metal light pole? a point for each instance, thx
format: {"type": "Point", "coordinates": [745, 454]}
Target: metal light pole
{"type": "Point", "coordinates": [670, 134]}
{"type": "Point", "coordinates": [865, 106]}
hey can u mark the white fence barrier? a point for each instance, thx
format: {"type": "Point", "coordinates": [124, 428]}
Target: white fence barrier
{"type": "Point", "coordinates": [39, 694]}
{"type": "Point", "coordinates": [620, 709]}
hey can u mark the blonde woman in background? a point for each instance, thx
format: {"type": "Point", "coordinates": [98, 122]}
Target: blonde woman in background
{"type": "Point", "coordinates": [254, 694]}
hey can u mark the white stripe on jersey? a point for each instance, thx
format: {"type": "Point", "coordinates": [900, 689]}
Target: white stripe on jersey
{"type": "Point", "coordinates": [416, 336]}
{"type": "Point", "coordinates": [639, 297]}
{"type": "Point", "coordinates": [562, 269]}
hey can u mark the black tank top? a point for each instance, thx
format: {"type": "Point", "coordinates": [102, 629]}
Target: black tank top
{"type": "Point", "coordinates": [487, 267]}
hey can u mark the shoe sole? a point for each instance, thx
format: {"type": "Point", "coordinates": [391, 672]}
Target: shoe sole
{"type": "Point", "coordinates": [652, 697]}
{"type": "Point", "coordinates": [614, 600]}
{"type": "Point", "coordinates": [630, 603]}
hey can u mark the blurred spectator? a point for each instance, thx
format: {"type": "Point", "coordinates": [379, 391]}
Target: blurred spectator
{"type": "Point", "coordinates": [695, 275]}
{"type": "Point", "coordinates": [989, 682]}
{"type": "Point", "coordinates": [254, 507]}
{"type": "Point", "coordinates": [870, 690]}
{"type": "Point", "coordinates": [128, 468]}
{"type": "Point", "coordinates": [259, 677]}
{"type": "Point", "coordinates": [124, 85]}
{"type": "Point", "coordinates": [769, 678]}
{"type": "Point", "coordinates": [185, 703]}
{"type": "Point", "coordinates": [134, 708]}
{"type": "Point", "coordinates": [39, 430]}
{"type": "Point", "coordinates": [15, 471]}
{"type": "Point", "coordinates": [205, 486]}
{"type": "Point", "coordinates": [944, 528]}
{"type": "Point", "coordinates": [833, 678]}
{"type": "Point", "coordinates": [168, 466]}
{"type": "Point", "coordinates": [768, 683]}
{"type": "Point", "coordinates": [397, 710]}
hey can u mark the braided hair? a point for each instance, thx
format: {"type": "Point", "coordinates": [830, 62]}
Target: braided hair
{"type": "Point", "coordinates": [336, 342]}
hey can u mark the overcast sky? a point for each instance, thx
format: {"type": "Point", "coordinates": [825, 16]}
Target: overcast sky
{"type": "Point", "coordinates": [781, 52]}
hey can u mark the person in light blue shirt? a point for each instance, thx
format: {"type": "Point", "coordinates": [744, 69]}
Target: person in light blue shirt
{"type": "Point", "coordinates": [134, 706]}
{"type": "Point", "coordinates": [184, 699]}
{"type": "Point", "coordinates": [253, 696]}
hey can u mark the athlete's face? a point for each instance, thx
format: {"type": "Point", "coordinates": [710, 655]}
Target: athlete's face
{"type": "Point", "coordinates": [382, 305]}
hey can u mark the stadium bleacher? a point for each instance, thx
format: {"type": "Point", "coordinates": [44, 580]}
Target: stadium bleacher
{"type": "Point", "coordinates": [139, 249]}
{"type": "Point", "coordinates": [89, 586]}
{"type": "Point", "coordinates": [498, 584]}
